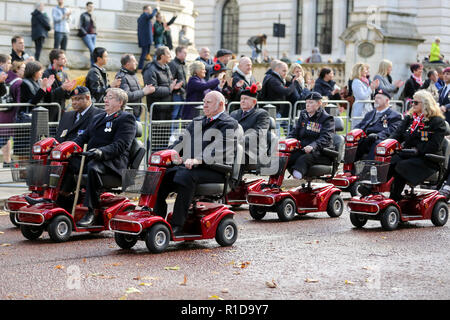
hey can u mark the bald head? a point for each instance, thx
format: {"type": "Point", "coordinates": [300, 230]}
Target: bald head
{"type": "Point", "coordinates": [204, 53]}
{"type": "Point", "coordinates": [281, 68]}
{"type": "Point", "coordinates": [213, 104]}
{"type": "Point", "coordinates": [245, 65]}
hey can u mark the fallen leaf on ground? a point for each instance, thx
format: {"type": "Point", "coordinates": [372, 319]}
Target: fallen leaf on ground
{"type": "Point", "coordinates": [271, 284]}
{"type": "Point", "coordinates": [1, 232]}
{"type": "Point", "coordinates": [349, 282]}
{"type": "Point", "coordinates": [172, 268]}
{"type": "Point", "coordinates": [132, 290]}
{"type": "Point", "coordinates": [225, 290]}
{"type": "Point", "coordinates": [125, 297]}
{"type": "Point", "coordinates": [215, 297]}
{"type": "Point", "coordinates": [311, 280]}
{"type": "Point", "coordinates": [184, 282]}
{"type": "Point", "coordinates": [59, 267]}
{"type": "Point", "coordinates": [145, 284]}
{"type": "Point", "coordinates": [5, 245]}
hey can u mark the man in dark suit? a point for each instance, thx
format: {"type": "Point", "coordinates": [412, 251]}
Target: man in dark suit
{"type": "Point", "coordinates": [74, 123]}
{"type": "Point", "coordinates": [108, 138]}
{"type": "Point", "coordinates": [199, 155]}
{"type": "Point", "coordinates": [145, 32]}
{"type": "Point", "coordinates": [254, 121]}
{"type": "Point", "coordinates": [444, 95]}
{"type": "Point", "coordinates": [378, 125]}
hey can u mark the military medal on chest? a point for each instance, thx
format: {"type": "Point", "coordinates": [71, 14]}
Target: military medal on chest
{"type": "Point", "coordinates": [108, 126]}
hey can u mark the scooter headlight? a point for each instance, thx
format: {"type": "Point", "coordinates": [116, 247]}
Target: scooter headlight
{"type": "Point", "coordinates": [155, 159]}
{"type": "Point", "coordinates": [350, 138]}
{"type": "Point", "coordinates": [282, 147]}
{"type": "Point", "coordinates": [381, 151]}
{"type": "Point", "coordinates": [37, 149]}
{"type": "Point", "coordinates": [56, 155]}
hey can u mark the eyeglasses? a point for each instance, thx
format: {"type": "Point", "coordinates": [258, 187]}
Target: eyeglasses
{"type": "Point", "coordinates": [415, 102]}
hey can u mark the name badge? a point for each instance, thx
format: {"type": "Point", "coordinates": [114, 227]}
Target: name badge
{"type": "Point", "coordinates": [385, 123]}
{"type": "Point", "coordinates": [108, 127]}
{"type": "Point", "coordinates": [64, 133]}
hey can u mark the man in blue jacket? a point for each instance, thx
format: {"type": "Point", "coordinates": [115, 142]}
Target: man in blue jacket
{"type": "Point", "coordinates": [378, 125]}
{"type": "Point", "coordinates": [145, 32]}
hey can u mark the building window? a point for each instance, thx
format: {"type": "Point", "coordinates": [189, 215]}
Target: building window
{"type": "Point", "coordinates": [350, 8]}
{"type": "Point", "coordinates": [298, 32]}
{"type": "Point", "coordinates": [324, 24]}
{"type": "Point", "coordinates": [230, 26]}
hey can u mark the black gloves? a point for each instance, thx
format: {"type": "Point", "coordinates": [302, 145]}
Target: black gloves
{"type": "Point", "coordinates": [372, 137]}
{"type": "Point", "coordinates": [95, 154]}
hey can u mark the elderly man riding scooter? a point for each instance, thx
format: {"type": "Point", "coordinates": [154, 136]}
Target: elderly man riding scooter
{"type": "Point", "coordinates": [108, 137]}
{"type": "Point", "coordinates": [208, 137]}
{"type": "Point", "coordinates": [378, 125]}
{"type": "Point", "coordinates": [314, 129]}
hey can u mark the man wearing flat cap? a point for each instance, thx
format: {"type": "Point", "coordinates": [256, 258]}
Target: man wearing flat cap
{"type": "Point", "coordinates": [74, 123]}
{"type": "Point", "coordinates": [314, 129]}
{"type": "Point", "coordinates": [378, 125]}
{"type": "Point", "coordinates": [223, 57]}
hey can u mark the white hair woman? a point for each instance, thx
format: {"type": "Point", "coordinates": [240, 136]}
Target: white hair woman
{"type": "Point", "coordinates": [384, 76]}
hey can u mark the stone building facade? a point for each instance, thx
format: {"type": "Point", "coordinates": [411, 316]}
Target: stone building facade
{"type": "Point", "coordinates": [116, 26]}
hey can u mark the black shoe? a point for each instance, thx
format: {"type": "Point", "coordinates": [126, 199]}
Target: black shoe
{"type": "Point", "coordinates": [364, 190]}
{"type": "Point", "coordinates": [87, 220]}
{"type": "Point", "coordinates": [34, 201]}
{"type": "Point", "coordinates": [177, 231]}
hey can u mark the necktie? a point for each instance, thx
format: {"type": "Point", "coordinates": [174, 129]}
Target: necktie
{"type": "Point", "coordinates": [77, 117]}
{"type": "Point", "coordinates": [244, 114]}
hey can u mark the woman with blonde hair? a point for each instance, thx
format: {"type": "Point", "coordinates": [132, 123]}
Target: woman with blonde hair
{"type": "Point", "coordinates": [197, 87]}
{"type": "Point", "coordinates": [296, 73]}
{"type": "Point", "coordinates": [384, 76]}
{"type": "Point", "coordinates": [423, 131]}
{"type": "Point", "coordinates": [362, 89]}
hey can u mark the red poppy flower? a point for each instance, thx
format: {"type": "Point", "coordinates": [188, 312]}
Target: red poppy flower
{"type": "Point", "coordinates": [217, 67]}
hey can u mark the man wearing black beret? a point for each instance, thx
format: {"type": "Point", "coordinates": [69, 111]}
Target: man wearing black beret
{"type": "Point", "coordinates": [74, 123]}
{"type": "Point", "coordinates": [315, 130]}
{"type": "Point", "coordinates": [378, 125]}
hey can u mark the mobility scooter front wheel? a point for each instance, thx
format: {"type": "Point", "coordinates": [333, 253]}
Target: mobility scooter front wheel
{"type": "Point", "coordinates": [227, 232]}
{"type": "Point", "coordinates": [335, 206]}
{"type": "Point", "coordinates": [31, 232]}
{"type": "Point", "coordinates": [157, 238]}
{"type": "Point", "coordinates": [286, 209]}
{"type": "Point", "coordinates": [390, 218]}
{"type": "Point", "coordinates": [358, 220]}
{"type": "Point", "coordinates": [125, 241]}
{"type": "Point", "coordinates": [439, 216]}
{"type": "Point", "coordinates": [60, 229]}
{"type": "Point", "coordinates": [257, 213]}
{"type": "Point", "coordinates": [12, 217]}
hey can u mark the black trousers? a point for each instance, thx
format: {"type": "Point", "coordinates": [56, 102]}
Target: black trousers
{"type": "Point", "coordinates": [94, 170]}
{"type": "Point", "coordinates": [183, 182]}
{"type": "Point", "coordinates": [302, 161]}
{"type": "Point", "coordinates": [39, 42]}
{"type": "Point", "coordinates": [366, 146]}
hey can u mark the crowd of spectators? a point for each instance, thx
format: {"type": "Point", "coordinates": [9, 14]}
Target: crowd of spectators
{"type": "Point", "coordinates": [167, 78]}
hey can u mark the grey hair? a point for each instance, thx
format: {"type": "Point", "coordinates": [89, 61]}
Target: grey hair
{"type": "Point", "coordinates": [195, 66]}
{"type": "Point", "coordinates": [120, 95]}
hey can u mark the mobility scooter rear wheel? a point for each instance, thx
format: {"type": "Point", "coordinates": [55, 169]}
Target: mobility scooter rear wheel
{"type": "Point", "coordinates": [257, 213]}
{"type": "Point", "coordinates": [125, 241]}
{"type": "Point", "coordinates": [286, 210]}
{"type": "Point", "coordinates": [335, 206]}
{"type": "Point", "coordinates": [60, 229]}
{"type": "Point", "coordinates": [439, 216]}
{"type": "Point", "coordinates": [227, 232]}
{"type": "Point", "coordinates": [358, 220]}
{"type": "Point", "coordinates": [31, 232]}
{"type": "Point", "coordinates": [390, 218]}
{"type": "Point", "coordinates": [157, 238]}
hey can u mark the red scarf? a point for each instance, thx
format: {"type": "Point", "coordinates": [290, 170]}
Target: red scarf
{"type": "Point", "coordinates": [418, 122]}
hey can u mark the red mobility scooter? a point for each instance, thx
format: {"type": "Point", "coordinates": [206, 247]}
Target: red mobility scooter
{"type": "Point", "coordinates": [59, 220]}
{"type": "Point", "coordinates": [348, 180]}
{"type": "Point", "coordinates": [21, 171]}
{"type": "Point", "coordinates": [415, 205]}
{"type": "Point", "coordinates": [270, 197]}
{"type": "Point", "coordinates": [206, 220]}
{"type": "Point", "coordinates": [238, 196]}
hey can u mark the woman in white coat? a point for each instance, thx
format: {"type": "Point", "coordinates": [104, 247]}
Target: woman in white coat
{"type": "Point", "coordinates": [362, 90]}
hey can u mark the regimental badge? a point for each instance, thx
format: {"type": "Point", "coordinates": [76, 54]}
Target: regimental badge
{"type": "Point", "coordinates": [64, 133]}
{"type": "Point", "coordinates": [385, 123]}
{"type": "Point", "coordinates": [80, 132]}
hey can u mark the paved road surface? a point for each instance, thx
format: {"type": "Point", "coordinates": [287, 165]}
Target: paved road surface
{"type": "Point", "coordinates": [312, 257]}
